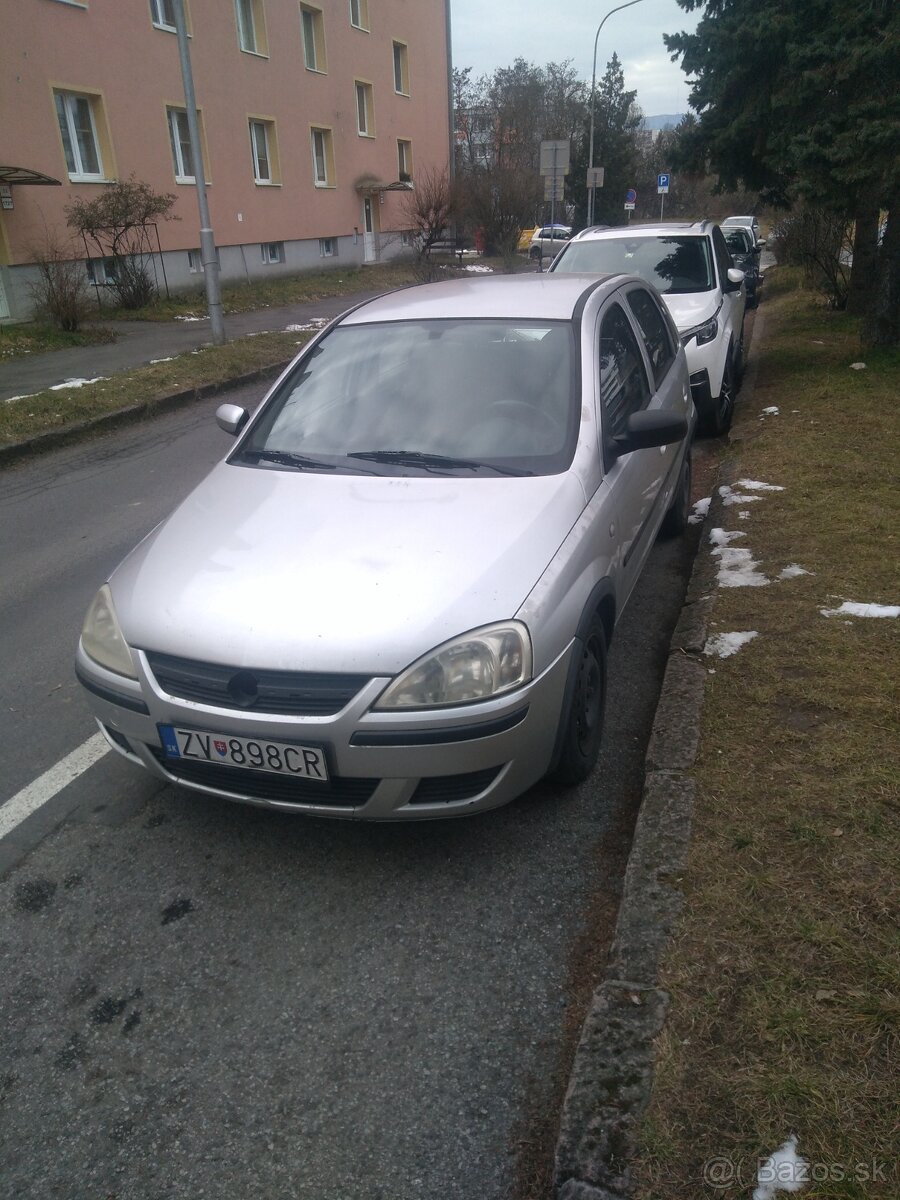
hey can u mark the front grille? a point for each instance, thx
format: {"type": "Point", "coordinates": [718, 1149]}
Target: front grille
{"type": "Point", "coordinates": [264, 785]}
{"type": "Point", "coordinates": [288, 693]}
{"type": "Point", "coordinates": [444, 789]}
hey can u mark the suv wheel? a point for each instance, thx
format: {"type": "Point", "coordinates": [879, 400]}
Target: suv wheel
{"type": "Point", "coordinates": [721, 411]}
{"type": "Point", "coordinates": [582, 722]}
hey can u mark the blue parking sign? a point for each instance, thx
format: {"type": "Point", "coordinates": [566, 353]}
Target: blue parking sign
{"type": "Point", "coordinates": [662, 182]}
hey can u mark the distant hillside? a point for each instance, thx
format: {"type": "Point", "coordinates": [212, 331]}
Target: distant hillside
{"type": "Point", "coordinates": [663, 121]}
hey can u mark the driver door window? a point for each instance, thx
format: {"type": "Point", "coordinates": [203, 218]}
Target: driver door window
{"type": "Point", "coordinates": [623, 381]}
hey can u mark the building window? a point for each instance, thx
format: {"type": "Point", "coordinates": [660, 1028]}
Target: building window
{"type": "Point", "coordinates": [365, 110]}
{"type": "Point", "coordinates": [262, 144]}
{"type": "Point", "coordinates": [195, 262]}
{"type": "Point", "coordinates": [323, 158]}
{"type": "Point", "coordinates": [78, 128]}
{"type": "Point", "coordinates": [401, 69]}
{"type": "Point", "coordinates": [327, 247]}
{"type": "Point", "coordinates": [182, 151]}
{"type": "Point", "coordinates": [272, 252]}
{"type": "Point", "coordinates": [162, 14]}
{"type": "Point", "coordinates": [404, 161]}
{"type": "Point", "coordinates": [101, 271]}
{"type": "Point", "coordinates": [312, 24]}
{"type": "Point", "coordinates": [251, 26]}
{"type": "Point", "coordinates": [359, 14]}
{"type": "Point", "coordinates": [407, 237]}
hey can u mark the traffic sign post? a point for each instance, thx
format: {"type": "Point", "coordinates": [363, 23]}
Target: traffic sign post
{"type": "Point", "coordinates": [594, 180]}
{"type": "Point", "coordinates": [662, 188]}
{"type": "Point", "coordinates": [554, 165]}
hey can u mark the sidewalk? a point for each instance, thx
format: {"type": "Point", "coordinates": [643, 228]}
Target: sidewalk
{"type": "Point", "coordinates": [141, 342]}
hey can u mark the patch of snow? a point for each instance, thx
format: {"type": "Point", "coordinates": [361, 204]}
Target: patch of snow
{"type": "Point", "coordinates": [744, 514]}
{"type": "Point", "coordinates": [701, 508]}
{"type": "Point", "coordinates": [730, 497]}
{"type": "Point", "coordinates": [783, 1171]}
{"type": "Point", "coordinates": [153, 361]}
{"type": "Point", "coordinates": [852, 609]}
{"type": "Point", "coordinates": [857, 366]}
{"type": "Point", "coordinates": [313, 323]}
{"type": "Point", "coordinates": [75, 383]}
{"type": "Point", "coordinates": [480, 270]}
{"type": "Point", "coordinates": [753, 485]}
{"type": "Point", "coordinates": [793, 571]}
{"type": "Point", "coordinates": [737, 567]}
{"type": "Point", "coordinates": [771, 411]}
{"type": "Point", "coordinates": [192, 318]}
{"type": "Point", "coordinates": [26, 396]}
{"type": "Point", "coordinates": [726, 644]}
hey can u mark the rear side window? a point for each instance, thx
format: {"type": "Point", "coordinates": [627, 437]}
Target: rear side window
{"type": "Point", "coordinates": [654, 331]}
{"type": "Point", "coordinates": [623, 382]}
{"type": "Point", "coordinates": [723, 255]}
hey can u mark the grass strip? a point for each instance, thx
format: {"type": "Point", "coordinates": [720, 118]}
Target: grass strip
{"type": "Point", "coordinates": [212, 365]}
{"type": "Point", "coordinates": [784, 972]}
{"type": "Point", "coordinates": [35, 338]}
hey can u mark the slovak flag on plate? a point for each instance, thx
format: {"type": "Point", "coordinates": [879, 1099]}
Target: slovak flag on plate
{"type": "Point", "coordinates": [221, 748]}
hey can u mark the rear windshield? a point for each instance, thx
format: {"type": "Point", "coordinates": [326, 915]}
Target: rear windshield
{"type": "Point", "coordinates": [457, 397]}
{"type": "Point", "coordinates": [672, 264]}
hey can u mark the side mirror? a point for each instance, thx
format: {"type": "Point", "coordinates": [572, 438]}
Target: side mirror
{"type": "Point", "coordinates": [735, 279]}
{"type": "Point", "coordinates": [760, 242]}
{"type": "Point", "coordinates": [232, 418]}
{"type": "Point", "coordinates": [646, 429]}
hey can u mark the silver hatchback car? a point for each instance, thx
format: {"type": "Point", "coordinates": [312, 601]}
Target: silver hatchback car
{"type": "Point", "coordinates": [394, 596]}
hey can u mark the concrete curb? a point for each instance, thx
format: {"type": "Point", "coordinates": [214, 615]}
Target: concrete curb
{"type": "Point", "coordinates": [612, 1074]}
{"type": "Point", "coordinates": [54, 438]}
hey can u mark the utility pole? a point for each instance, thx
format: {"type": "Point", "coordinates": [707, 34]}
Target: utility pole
{"type": "Point", "coordinates": [208, 254]}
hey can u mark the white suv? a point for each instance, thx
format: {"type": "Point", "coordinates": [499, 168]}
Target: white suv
{"type": "Point", "coordinates": [690, 265]}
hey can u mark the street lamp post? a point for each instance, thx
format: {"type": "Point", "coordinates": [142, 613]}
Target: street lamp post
{"type": "Point", "coordinates": [593, 90]}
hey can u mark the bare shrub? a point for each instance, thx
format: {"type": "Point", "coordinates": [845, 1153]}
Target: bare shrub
{"type": "Point", "coordinates": [60, 292]}
{"type": "Point", "coordinates": [822, 245]}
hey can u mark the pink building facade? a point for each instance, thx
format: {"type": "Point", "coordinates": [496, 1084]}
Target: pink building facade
{"type": "Point", "coordinates": [314, 120]}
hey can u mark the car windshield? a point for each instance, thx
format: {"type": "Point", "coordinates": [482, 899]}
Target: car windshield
{"type": "Point", "coordinates": [672, 264]}
{"type": "Point", "coordinates": [738, 241]}
{"type": "Point", "coordinates": [448, 397]}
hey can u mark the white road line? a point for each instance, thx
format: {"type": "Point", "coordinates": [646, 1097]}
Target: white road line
{"type": "Point", "coordinates": [44, 788]}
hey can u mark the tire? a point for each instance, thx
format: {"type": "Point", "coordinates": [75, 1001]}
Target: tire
{"type": "Point", "coordinates": [535, 253]}
{"type": "Point", "coordinates": [675, 522]}
{"type": "Point", "coordinates": [718, 420]}
{"type": "Point", "coordinates": [581, 726]}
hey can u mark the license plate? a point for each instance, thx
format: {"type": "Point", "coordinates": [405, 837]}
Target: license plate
{"type": "Point", "coordinates": [252, 754]}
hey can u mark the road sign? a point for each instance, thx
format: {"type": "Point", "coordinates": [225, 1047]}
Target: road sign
{"type": "Point", "coordinates": [595, 177]}
{"type": "Point", "coordinates": [629, 206]}
{"type": "Point", "coordinates": [553, 187]}
{"type": "Point", "coordinates": [631, 197]}
{"type": "Point", "coordinates": [662, 184]}
{"type": "Point", "coordinates": [555, 157]}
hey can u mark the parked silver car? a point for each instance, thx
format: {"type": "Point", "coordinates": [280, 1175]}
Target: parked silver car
{"type": "Point", "coordinates": [393, 597]}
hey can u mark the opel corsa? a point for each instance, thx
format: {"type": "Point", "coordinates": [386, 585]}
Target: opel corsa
{"type": "Point", "coordinates": [393, 599]}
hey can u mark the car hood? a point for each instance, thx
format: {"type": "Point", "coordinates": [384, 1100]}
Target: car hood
{"type": "Point", "coordinates": [301, 571]}
{"type": "Point", "coordinates": [692, 309]}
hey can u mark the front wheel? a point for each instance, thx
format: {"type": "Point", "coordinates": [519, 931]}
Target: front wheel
{"type": "Point", "coordinates": [581, 728]}
{"type": "Point", "coordinates": [719, 419]}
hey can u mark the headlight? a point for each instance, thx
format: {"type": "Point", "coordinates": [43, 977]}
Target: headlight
{"type": "Point", "coordinates": [473, 667]}
{"type": "Point", "coordinates": [703, 333]}
{"type": "Point", "coordinates": [102, 638]}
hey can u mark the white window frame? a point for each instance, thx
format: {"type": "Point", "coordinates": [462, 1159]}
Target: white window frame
{"type": "Point", "coordinates": [106, 265]}
{"type": "Point", "coordinates": [76, 171]}
{"type": "Point", "coordinates": [195, 262]}
{"type": "Point", "coordinates": [311, 45]}
{"type": "Point", "coordinates": [325, 134]}
{"type": "Point", "coordinates": [255, 123]}
{"type": "Point", "coordinates": [366, 90]}
{"type": "Point", "coordinates": [328, 247]}
{"type": "Point", "coordinates": [158, 15]}
{"type": "Point", "coordinates": [272, 252]}
{"type": "Point", "coordinates": [404, 159]}
{"type": "Point", "coordinates": [403, 48]}
{"type": "Point", "coordinates": [248, 34]}
{"type": "Point", "coordinates": [359, 14]}
{"type": "Point", "coordinates": [181, 176]}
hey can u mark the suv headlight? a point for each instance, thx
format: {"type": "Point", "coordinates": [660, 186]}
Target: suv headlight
{"type": "Point", "coordinates": [102, 638]}
{"type": "Point", "coordinates": [703, 333]}
{"type": "Point", "coordinates": [475, 666]}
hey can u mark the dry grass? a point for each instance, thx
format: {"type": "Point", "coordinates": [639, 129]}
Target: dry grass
{"type": "Point", "coordinates": [51, 410]}
{"type": "Point", "coordinates": [784, 974]}
{"type": "Point", "coordinates": [35, 338]}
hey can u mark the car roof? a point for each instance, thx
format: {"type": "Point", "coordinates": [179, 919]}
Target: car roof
{"type": "Point", "coordinates": [739, 220]}
{"type": "Point", "coordinates": [541, 297]}
{"type": "Point", "coordinates": [664, 229]}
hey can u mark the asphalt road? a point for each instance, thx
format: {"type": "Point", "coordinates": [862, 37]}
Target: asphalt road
{"type": "Point", "coordinates": [201, 999]}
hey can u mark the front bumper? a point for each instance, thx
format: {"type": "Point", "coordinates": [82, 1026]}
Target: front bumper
{"type": "Point", "coordinates": [382, 766]}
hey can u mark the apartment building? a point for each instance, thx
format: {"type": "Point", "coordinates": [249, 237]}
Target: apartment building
{"type": "Point", "coordinates": [314, 119]}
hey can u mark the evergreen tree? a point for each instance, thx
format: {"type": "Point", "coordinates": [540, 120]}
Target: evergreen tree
{"type": "Point", "coordinates": [616, 121]}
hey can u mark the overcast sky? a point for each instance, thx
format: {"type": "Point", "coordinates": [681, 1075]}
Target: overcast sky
{"type": "Point", "coordinates": [492, 33]}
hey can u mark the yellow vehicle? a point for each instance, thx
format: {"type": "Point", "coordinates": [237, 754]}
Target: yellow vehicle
{"type": "Point", "coordinates": [525, 238]}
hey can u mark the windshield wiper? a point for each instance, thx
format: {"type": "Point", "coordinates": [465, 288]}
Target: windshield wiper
{"type": "Point", "coordinates": [418, 458]}
{"type": "Point", "coordinates": [285, 458]}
